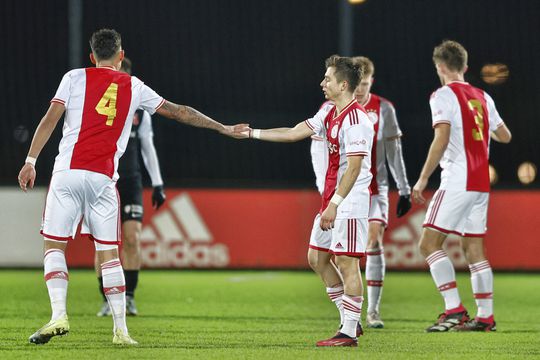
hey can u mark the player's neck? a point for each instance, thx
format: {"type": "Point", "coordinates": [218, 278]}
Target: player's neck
{"type": "Point", "coordinates": [454, 77]}
{"type": "Point", "coordinates": [106, 64]}
{"type": "Point", "coordinates": [344, 100]}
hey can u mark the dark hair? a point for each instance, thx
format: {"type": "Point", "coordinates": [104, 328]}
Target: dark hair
{"type": "Point", "coordinates": [365, 64]}
{"type": "Point", "coordinates": [105, 43]}
{"type": "Point", "coordinates": [126, 65]}
{"type": "Point", "coordinates": [345, 70]}
{"type": "Point", "coordinates": [452, 54]}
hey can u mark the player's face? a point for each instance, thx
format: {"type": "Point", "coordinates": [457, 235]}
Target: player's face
{"type": "Point", "coordinates": [330, 85]}
{"type": "Point", "coordinates": [362, 91]}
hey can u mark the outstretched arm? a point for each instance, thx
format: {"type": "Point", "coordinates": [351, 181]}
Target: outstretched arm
{"type": "Point", "coordinates": [297, 133]}
{"type": "Point", "coordinates": [189, 116]}
{"type": "Point", "coordinates": [46, 126]}
{"type": "Point", "coordinates": [436, 151]}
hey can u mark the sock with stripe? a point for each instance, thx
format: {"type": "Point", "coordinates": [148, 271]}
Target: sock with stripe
{"type": "Point", "coordinates": [375, 269]}
{"type": "Point", "coordinates": [56, 278]}
{"type": "Point", "coordinates": [352, 309]}
{"type": "Point", "coordinates": [482, 286]}
{"type": "Point", "coordinates": [114, 287]}
{"type": "Point", "coordinates": [444, 275]}
{"type": "Point", "coordinates": [335, 294]}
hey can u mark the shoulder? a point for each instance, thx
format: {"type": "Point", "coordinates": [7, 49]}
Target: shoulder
{"type": "Point", "coordinates": [136, 81]}
{"type": "Point", "coordinates": [75, 73]}
{"type": "Point", "coordinates": [444, 93]}
{"type": "Point", "coordinates": [386, 104]}
{"type": "Point", "coordinates": [357, 117]}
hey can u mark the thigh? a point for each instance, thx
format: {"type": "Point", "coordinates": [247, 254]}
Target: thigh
{"type": "Point", "coordinates": [378, 209]}
{"type": "Point", "coordinates": [476, 222]}
{"type": "Point", "coordinates": [350, 237]}
{"type": "Point", "coordinates": [102, 216]}
{"type": "Point", "coordinates": [63, 207]}
{"type": "Point", "coordinates": [131, 202]}
{"type": "Point", "coordinates": [320, 240]}
{"type": "Point", "coordinates": [448, 211]}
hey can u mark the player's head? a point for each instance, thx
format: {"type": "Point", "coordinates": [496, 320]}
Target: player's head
{"type": "Point", "coordinates": [106, 45]}
{"type": "Point", "coordinates": [368, 71]}
{"type": "Point", "coordinates": [342, 76]}
{"type": "Point", "coordinates": [450, 57]}
{"type": "Point", "coordinates": [126, 66]}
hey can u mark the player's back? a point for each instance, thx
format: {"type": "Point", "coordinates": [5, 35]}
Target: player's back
{"type": "Point", "coordinates": [471, 114]}
{"type": "Point", "coordinates": [100, 104]}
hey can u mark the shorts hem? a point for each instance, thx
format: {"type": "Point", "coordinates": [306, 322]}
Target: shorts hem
{"type": "Point", "coordinates": [353, 254]}
{"type": "Point", "coordinates": [474, 235]}
{"type": "Point", "coordinates": [318, 248]}
{"type": "Point", "coordinates": [442, 230]}
{"type": "Point", "coordinates": [52, 237]}
{"type": "Point", "coordinates": [380, 221]}
{"type": "Point", "coordinates": [104, 242]}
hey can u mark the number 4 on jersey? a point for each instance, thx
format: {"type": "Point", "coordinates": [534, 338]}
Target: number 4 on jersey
{"type": "Point", "coordinates": [107, 105]}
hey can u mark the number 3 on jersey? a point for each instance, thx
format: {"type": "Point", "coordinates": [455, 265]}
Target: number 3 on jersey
{"type": "Point", "coordinates": [107, 105]}
{"type": "Point", "coordinates": [478, 133]}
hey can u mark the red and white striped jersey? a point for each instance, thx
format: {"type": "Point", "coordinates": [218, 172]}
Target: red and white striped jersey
{"type": "Point", "coordinates": [472, 115]}
{"type": "Point", "coordinates": [100, 104]}
{"type": "Point", "coordinates": [349, 133]}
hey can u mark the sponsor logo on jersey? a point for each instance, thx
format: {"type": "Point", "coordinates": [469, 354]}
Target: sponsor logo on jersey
{"type": "Point", "coordinates": [178, 237]}
{"type": "Point", "coordinates": [401, 245]}
{"type": "Point", "coordinates": [358, 142]}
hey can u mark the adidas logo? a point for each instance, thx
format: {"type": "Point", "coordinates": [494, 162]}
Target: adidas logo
{"type": "Point", "coordinates": [401, 245]}
{"type": "Point", "coordinates": [339, 246]}
{"type": "Point", "coordinates": [177, 236]}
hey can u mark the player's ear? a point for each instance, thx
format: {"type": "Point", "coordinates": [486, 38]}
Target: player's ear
{"type": "Point", "coordinates": [465, 69]}
{"type": "Point", "coordinates": [93, 59]}
{"type": "Point", "coordinates": [122, 55]}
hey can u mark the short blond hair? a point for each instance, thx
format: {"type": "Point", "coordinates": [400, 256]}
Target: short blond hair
{"type": "Point", "coordinates": [365, 64]}
{"type": "Point", "coordinates": [452, 54]}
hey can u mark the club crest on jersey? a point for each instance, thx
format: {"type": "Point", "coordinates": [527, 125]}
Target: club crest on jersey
{"type": "Point", "coordinates": [334, 131]}
{"type": "Point", "coordinates": [372, 115]}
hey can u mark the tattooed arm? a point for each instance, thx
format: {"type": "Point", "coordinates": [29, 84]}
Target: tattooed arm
{"type": "Point", "coordinates": [189, 116]}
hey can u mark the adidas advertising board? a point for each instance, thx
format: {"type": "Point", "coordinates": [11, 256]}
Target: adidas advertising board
{"type": "Point", "coordinates": [214, 229]}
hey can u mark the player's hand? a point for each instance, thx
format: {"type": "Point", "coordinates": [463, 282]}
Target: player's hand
{"type": "Point", "coordinates": [418, 189]}
{"type": "Point", "coordinates": [238, 131]}
{"type": "Point", "coordinates": [403, 205]}
{"type": "Point", "coordinates": [328, 217]}
{"type": "Point", "coordinates": [158, 197]}
{"type": "Point", "coordinates": [27, 176]}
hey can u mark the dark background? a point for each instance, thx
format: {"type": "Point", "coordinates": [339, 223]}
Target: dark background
{"type": "Point", "coordinates": [261, 62]}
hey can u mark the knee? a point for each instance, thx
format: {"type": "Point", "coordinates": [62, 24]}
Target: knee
{"type": "Point", "coordinates": [426, 247]}
{"type": "Point", "coordinates": [313, 262]}
{"type": "Point", "coordinates": [131, 241]}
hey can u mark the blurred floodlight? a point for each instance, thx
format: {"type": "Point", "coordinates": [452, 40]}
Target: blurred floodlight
{"type": "Point", "coordinates": [526, 172]}
{"type": "Point", "coordinates": [495, 74]}
{"type": "Point", "coordinates": [493, 176]}
{"type": "Point", "coordinates": [354, 2]}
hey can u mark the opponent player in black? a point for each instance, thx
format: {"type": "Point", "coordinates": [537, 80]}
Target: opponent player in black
{"type": "Point", "coordinates": [130, 189]}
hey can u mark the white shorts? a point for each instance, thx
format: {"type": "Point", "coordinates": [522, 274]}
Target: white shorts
{"type": "Point", "coordinates": [76, 194]}
{"type": "Point", "coordinates": [348, 237]}
{"type": "Point", "coordinates": [378, 209]}
{"type": "Point", "coordinates": [463, 213]}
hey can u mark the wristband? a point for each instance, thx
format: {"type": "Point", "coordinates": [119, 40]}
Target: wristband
{"type": "Point", "coordinates": [30, 160]}
{"type": "Point", "coordinates": [336, 199]}
{"type": "Point", "coordinates": [256, 133]}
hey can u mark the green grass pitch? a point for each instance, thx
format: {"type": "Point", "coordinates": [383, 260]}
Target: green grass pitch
{"type": "Point", "coordinates": [262, 315]}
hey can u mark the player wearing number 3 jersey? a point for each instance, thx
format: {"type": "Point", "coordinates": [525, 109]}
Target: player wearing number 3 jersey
{"type": "Point", "coordinates": [99, 105]}
{"type": "Point", "coordinates": [464, 119]}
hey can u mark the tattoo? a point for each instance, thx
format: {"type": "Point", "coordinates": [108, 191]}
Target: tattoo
{"type": "Point", "coordinates": [189, 116]}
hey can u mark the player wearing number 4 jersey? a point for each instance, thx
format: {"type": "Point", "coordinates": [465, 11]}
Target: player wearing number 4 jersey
{"type": "Point", "coordinates": [99, 105]}
{"type": "Point", "coordinates": [340, 228]}
{"type": "Point", "coordinates": [464, 119]}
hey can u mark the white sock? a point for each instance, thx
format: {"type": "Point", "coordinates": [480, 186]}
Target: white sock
{"type": "Point", "coordinates": [482, 286]}
{"type": "Point", "coordinates": [375, 269]}
{"type": "Point", "coordinates": [352, 309]}
{"type": "Point", "coordinates": [114, 287]}
{"type": "Point", "coordinates": [56, 278]}
{"type": "Point", "coordinates": [335, 294]}
{"type": "Point", "coordinates": [444, 275]}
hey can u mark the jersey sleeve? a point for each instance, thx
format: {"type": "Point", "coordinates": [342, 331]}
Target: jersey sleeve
{"type": "Point", "coordinates": [64, 91]}
{"type": "Point", "coordinates": [495, 119]}
{"type": "Point", "coordinates": [148, 150]}
{"type": "Point", "coordinates": [391, 127]}
{"type": "Point", "coordinates": [316, 123]}
{"type": "Point", "coordinates": [150, 100]}
{"type": "Point", "coordinates": [441, 108]}
{"type": "Point", "coordinates": [358, 134]}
